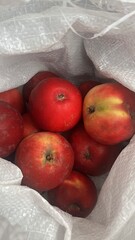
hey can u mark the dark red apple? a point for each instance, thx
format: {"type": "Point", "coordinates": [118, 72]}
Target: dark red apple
{"type": "Point", "coordinates": [87, 85]}
{"type": "Point", "coordinates": [55, 105]}
{"type": "Point", "coordinates": [27, 87]}
{"type": "Point", "coordinates": [77, 195]}
{"type": "Point", "coordinates": [91, 157]}
{"type": "Point", "coordinates": [109, 113]}
{"type": "Point", "coordinates": [29, 125]}
{"type": "Point", "coordinates": [11, 129]}
{"type": "Point", "coordinates": [45, 160]}
{"type": "Point", "coordinates": [14, 98]}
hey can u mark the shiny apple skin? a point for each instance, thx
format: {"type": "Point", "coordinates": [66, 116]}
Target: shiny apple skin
{"type": "Point", "coordinates": [91, 157]}
{"type": "Point", "coordinates": [14, 98]}
{"type": "Point", "coordinates": [55, 105]}
{"type": "Point", "coordinates": [109, 113]}
{"type": "Point", "coordinates": [31, 84]}
{"type": "Point", "coordinates": [29, 125]}
{"type": "Point", "coordinates": [11, 129]}
{"type": "Point", "coordinates": [45, 159]}
{"type": "Point", "coordinates": [77, 195]}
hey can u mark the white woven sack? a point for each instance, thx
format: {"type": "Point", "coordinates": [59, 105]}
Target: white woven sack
{"type": "Point", "coordinates": [68, 37]}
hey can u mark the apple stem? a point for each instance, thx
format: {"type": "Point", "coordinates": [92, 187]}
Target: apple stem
{"type": "Point", "coordinates": [61, 96]}
{"type": "Point", "coordinates": [91, 109]}
{"type": "Point", "coordinates": [49, 157]}
{"type": "Point", "coordinates": [87, 155]}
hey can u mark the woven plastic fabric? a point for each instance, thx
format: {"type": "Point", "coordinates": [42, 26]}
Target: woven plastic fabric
{"type": "Point", "coordinates": [76, 39]}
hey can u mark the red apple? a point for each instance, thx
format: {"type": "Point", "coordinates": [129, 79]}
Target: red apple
{"type": "Point", "coordinates": [91, 157]}
{"type": "Point", "coordinates": [86, 86]}
{"type": "Point", "coordinates": [11, 129]}
{"type": "Point", "coordinates": [77, 195]}
{"type": "Point", "coordinates": [14, 98]}
{"type": "Point", "coordinates": [29, 125]}
{"type": "Point", "coordinates": [45, 160]}
{"type": "Point", "coordinates": [27, 87]}
{"type": "Point", "coordinates": [55, 105]}
{"type": "Point", "coordinates": [109, 113]}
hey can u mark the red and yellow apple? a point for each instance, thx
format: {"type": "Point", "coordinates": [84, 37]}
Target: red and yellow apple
{"type": "Point", "coordinates": [11, 129]}
{"type": "Point", "coordinates": [76, 195]}
{"type": "Point", "coordinates": [109, 113]}
{"type": "Point", "coordinates": [55, 105]}
{"type": "Point", "coordinates": [45, 160]}
{"type": "Point", "coordinates": [91, 157]}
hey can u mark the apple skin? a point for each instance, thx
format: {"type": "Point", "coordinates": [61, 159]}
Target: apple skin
{"type": "Point", "coordinates": [55, 104]}
{"type": "Point", "coordinates": [11, 129]}
{"type": "Point", "coordinates": [109, 113]}
{"type": "Point", "coordinates": [91, 157]}
{"type": "Point", "coordinates": [42, 160]}
{"type": "Point", "coordinates": [77, 195]}
{"type": "Point", "coordinates": [86, 86]}
{"type": "Point", "coordinates": [29, 125]}
{"type": "Point", "coordinates": [27, 87]}
{"type": "Point", "coordinates": [14, 98]}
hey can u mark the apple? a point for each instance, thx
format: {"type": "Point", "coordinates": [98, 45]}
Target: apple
{"type": "Point", "coordinates": [11, 129]}
{"type": "Point", "coordinates": [109, 113]}
{"type": "Point", "coordinates": [14, 98]}
{"type": "Point", "coordinates": [55, 105]}
{"type": "Point", "coordinates": [45, 159]}
{"type": "Point", "coordinates": [91, 157]}
{"type": "Point", "coordinates": [27, 87]}
{"type": "Point", "coordinates": [86, 86]}
{"type": "Point", "coordinates": [76, 195]}
{"type": "Point", "coordinates": [29, 125]}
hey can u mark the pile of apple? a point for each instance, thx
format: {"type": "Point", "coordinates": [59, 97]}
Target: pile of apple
{"type": "Point", "coordinates": [60, 135]}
